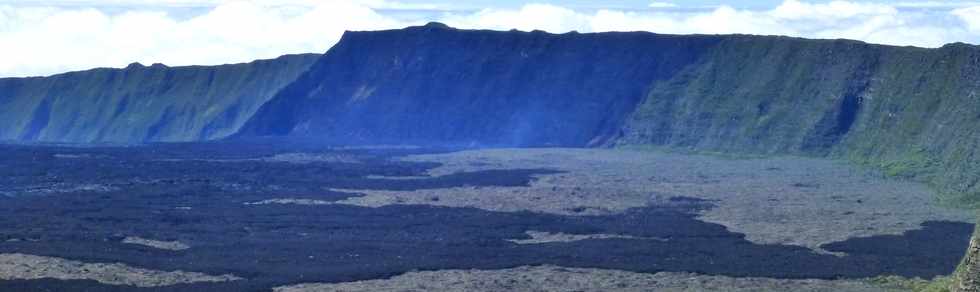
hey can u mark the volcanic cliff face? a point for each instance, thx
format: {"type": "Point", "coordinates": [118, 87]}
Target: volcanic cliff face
{"type": "Point", "coordinates": [912, 111]}
{"type": "Point", "coordinates": [142, 104]}
{"type": "Point", "coordinates": [435, 84]}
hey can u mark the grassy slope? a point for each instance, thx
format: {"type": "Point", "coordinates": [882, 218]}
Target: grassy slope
{"type": "Point", "coordinates": [141, 104]}
{"type": "Point", "coordinates": [749, 95]}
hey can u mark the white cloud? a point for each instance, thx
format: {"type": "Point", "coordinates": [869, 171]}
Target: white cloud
{"type": "Point", "coordinates": [872, 22]}
{"type": "Point", "coordinates": [793, 9]}
{"type": "Point", "coordinates": [971, 16]}
{"type": "Point", "coordinates": [377, 4]}
{"type": "Point", "coordinates": [41, 40]}
{"type": "Point", "coordinates": [936, 4]}
{"type": "Point", "coordinates": [529, 17]}
{"type": "Point", "coordinates": [662, 5]}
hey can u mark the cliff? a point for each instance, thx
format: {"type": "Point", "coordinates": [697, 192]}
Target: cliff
{"type": "Point", "coordinates": [911, 111]}
{"type": "Point", "coordinates": [967, 278]}
{"type": "Point", "coordinates": [435, 85]}
{"type": "Point", "coordinates": [141, 104]}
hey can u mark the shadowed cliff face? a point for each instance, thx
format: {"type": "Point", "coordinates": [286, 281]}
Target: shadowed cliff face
{"type": "Point", "coordinates": [141, 104]}
{"type": "Point", "coordinates": [435, 84]}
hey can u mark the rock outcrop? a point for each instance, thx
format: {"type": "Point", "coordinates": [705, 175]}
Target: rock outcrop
{"type": "Point", "coordinates": [967, 278]}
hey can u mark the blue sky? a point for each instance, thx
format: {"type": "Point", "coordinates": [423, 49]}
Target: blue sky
{"type": "Point", "coordinates": [47, 37]}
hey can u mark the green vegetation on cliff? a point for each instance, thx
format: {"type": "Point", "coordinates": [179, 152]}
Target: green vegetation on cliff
{"type": "Point", "coordinates": [911, 112]}
{"type": "Point", "coordinates": [142, 104]}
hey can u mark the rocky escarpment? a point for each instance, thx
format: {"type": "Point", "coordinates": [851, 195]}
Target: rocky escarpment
{"type": "Point", "coordinates": [141, 104]}
{"type": "Point", "coordinates": [436, 85]}
{"type": "Point", "coordinates": [967, 278]}
{"type": "Point", "coordinates": [911, 111]}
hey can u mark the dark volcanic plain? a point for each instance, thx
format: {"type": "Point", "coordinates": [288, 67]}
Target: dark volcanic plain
{"type": "Point", "coordinates": [82, 204]}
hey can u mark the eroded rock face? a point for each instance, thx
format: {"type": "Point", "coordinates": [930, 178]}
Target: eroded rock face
{"type": "Point", "coordinates": [968, 278]}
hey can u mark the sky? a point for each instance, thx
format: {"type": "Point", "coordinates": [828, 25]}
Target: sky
{"type": "Point", "coordinates": [39, 38]}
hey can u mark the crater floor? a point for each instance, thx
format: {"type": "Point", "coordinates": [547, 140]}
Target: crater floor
{"type": "Point", "coordinates": [206, 217]}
